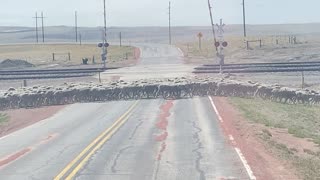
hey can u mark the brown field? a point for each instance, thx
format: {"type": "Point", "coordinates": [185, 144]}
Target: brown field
{"type": "Point", "coordinates": [236, 52]}
{"type": "Point", "coordinates": [291, 132]}
{"type": "Point", "coordinates": [43, 54]}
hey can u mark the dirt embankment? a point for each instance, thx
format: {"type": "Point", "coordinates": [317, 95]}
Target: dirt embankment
{"type": "Point", "coordinates": [281, 141]}
{"type": "Point", "coordinates": [21, 118]}
{"type": "Point", "coordinates": [265, 165]}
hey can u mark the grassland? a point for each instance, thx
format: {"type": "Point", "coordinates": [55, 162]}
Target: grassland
{"type": "Point", "coordinates": [43, 54]}
{"type": "Point", "coordinates": [299, 120]}
{"type": "Point", "coordinates": [3, 118]}
{"type": "Point", "coordinates": [236, 51]}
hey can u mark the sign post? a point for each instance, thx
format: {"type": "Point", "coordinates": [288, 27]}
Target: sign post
{"type": "Point", "coordinates": [200, 35]}
{"type": "Point", "coordinates": [104, 53]}
{"type": "Point", "coordinates": [221, 44]}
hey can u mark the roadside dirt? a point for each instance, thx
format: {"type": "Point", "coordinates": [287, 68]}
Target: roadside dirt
{"type": "Point", "coordinates": [262, 161]}
{"type": "Point", "coordinates": [21, 118]}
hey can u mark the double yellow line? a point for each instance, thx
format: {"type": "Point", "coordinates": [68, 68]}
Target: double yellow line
{"type": "Point", "coordinates": [76, 164]}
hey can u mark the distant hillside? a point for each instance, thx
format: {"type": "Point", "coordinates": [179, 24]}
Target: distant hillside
{"type": "Point", "coordinates": [146, 34]}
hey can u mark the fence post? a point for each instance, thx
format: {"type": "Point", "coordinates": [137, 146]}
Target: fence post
{"type": "Point", "coordinates": [25, 83]}
{"type": "Point", "coordinates": [69, 56]}
{"type": "Point", "coordinates": [260, 43]}
{"type": "Point", "coordinates": [53, 57]}
{"type": "Point", "coordinates": [247, 45]}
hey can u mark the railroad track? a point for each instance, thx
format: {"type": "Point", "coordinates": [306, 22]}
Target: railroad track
{"type": "Point", "coordinates": [49, 73]}
{"type": "Point", "coordinates": [260, 67]}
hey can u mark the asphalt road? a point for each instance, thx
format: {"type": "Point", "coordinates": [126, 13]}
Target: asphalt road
{"type": "Point", "coordinates": [147, 139]}
{"type": "Point", "coordinates": [157, 61]}
{"type": "Point", "coordinates": [156, 139]}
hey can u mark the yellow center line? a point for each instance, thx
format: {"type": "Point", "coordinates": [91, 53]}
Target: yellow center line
{"type": "Point", "coordinates": [86, 159]}
{"type": "Point", "coordinates": [91, 145]}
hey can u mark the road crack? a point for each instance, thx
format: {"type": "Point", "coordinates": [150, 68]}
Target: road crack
{"type": "Point", "coordinates": [115, 161]}
{"type": "Point", "coordinates": [135, 129]}
{"type": "Point", "coordinates": [199, 156]}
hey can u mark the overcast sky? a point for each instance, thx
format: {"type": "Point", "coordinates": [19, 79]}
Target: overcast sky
{"type": "Point", "coordinates": [155, 12]}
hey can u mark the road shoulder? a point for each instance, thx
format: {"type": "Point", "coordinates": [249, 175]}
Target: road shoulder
{"type": "Point", "coordinates": [21, 118]}
{"type": "Point", "coordinates": [263, 162]}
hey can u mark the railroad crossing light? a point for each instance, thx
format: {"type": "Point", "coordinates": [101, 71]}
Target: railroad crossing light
{"type": "Point", "coordinates": [217, 44]}
{"type": "Point", "coordinates": [225, 44]}
{"type": "Point", "coordinates": [103, 44]}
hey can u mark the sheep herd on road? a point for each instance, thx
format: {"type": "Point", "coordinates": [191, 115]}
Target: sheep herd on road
{"type": "Point", "coordinates": [175, 88]}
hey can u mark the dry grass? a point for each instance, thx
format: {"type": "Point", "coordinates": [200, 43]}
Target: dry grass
{"type": "Point", "coordinates": [269, 52]}
{"type": "Point", "coordinates": [3, 118]}
{"type": "Point", "coordinates": [299, 120]}
{"type": "Point", "coordinates": [42, 54]}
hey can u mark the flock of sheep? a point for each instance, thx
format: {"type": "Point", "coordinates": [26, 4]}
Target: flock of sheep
{"type": "Point", "coordinates": [168, 89]}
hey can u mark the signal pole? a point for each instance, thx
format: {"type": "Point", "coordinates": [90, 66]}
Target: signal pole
{"type": "Point", "coordinates": [42, 27]}
{"type": "Point", "coordinates": [105, 51]}
{"type": "Point", "coordinates": [244, 19]}
{"type": "Point", "coordinates": [37, 33]}
{"type": "Point", "coordinates": [170, 22]}
{"type": "Point", "coordinates": [76, 25]}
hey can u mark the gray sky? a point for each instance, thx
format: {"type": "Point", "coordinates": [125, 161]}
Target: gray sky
{"type": "Point", "coordinates": [155, 12]}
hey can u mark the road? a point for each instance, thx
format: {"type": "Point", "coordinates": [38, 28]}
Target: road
{"type": "Point", "coordinates": [157, 61]}
{"type": "Point", "coordinates": [160, 139]}
{"type": "Point", "coordinates": [153, 139]}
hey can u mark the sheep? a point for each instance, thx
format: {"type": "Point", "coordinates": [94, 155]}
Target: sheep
{"type": "Point", "coordinates": [173, 88]}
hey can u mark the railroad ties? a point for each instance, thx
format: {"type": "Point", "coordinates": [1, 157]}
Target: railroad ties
{"type": "Point", "coordinates": [260, 67]}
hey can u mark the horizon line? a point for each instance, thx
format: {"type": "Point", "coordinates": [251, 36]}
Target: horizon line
{"type": "Point", "coordinates": [141, 26]}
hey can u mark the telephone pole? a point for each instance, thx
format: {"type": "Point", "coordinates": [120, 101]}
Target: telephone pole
{"type": "Point", "coordinates": [76, 24]}
{"type": "Point", "coordinates": [120, 37]}
{"type": "Point", "coordinates": [212, 25]}
{"type": "Point", "coordinates": [244, 19]}
{"type": "Point", "coordinates": [37, 33]}
{"type": "Point", "coordinates": [170, 22]}
{"type": "Point", "coordinates": [105, 51]}
{"type": "Point", "coordinates": [42, 27]}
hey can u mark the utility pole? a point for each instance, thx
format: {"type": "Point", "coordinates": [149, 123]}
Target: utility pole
{"type": "Point", "coordinates": [42, 27]}
{"type": "Point", "coordinates": [76, 25]}
{"type": "Point", "coordinates": [212, 25]}
{"type": "Point", "coordinates": [37, 33]}
{"type": "Point", "coordinates": [105, 51]}
{"type": "Point", "coordinates": [244, 19]}
{"type": "Point", "coordinates": [120, 36]}
{"type": "Point", "coordinates": [170, 22]}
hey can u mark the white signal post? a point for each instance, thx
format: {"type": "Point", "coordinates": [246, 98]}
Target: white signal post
{"type": "Point", "coordinates": [221, 44]}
